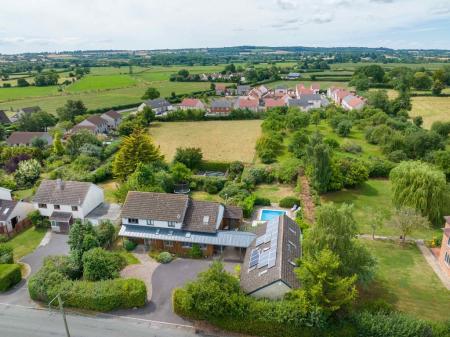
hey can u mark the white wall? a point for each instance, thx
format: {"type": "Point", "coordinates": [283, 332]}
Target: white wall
{"type": "Point", "coordinates": [161, 224]}
{"type": "Point", "coordinates": [21, 211]}
{"type": "Point", "coordinates": [94, 197]}
{"type": "Point", "coordinates": [5, 194]}
{"type": "Point", "coordinates": [273, 291]}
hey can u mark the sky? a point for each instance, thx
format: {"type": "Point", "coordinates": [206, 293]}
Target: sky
{"type": "Point", "coordinates": [58, 25]}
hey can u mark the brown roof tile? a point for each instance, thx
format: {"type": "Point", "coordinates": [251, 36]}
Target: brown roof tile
{"type": "Point", "coordinates": [23, 137]}
{"type": "Point", "coordinates": [113, 114]}
{"type": "Point", "coordinates": [202, 216]}
{"type": "Point", "coordinates": [67, 193]}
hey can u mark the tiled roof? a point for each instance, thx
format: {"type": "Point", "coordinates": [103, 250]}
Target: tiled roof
{"type": "Point", "coordinates": [271, 102]}
{"type": "Point", "coordinates": [58, 192]}
{"type": "Point", "coordinates": [288, 250]}
{"type": "Point", "coordinates": [3, 118]}
{"type": "Point", "coordinates": [157, 103]}
{"type": "Point", "coordinates": [190, 102]}
{"type": "Point", "coordinates": [79, 127]}
{"type": "Point", "coordinates": [221, 103]}
{"type": "Point", "coordinates": [315, 86]}
{"type": "Point", "coordinates": [202, 216]}
{"type": "Point", "coordinates": [155, 206]}
{"type": "Point", "coordinates": [248, 103]}
{"type": "Point", "coordinates": [6, 208]}
{"type": "Point", "coordinates": [31, 109]}
{"type": "Point", "coordinates": [220, 86]}
{"type": "Point", "coordinates": [96, 120]}
{"type": "Point", "coordinates": [233, 212]}
{"type": "Point", "coordinates": [24, 137]}
{"type": "Point", "coordinates": [113, 114]}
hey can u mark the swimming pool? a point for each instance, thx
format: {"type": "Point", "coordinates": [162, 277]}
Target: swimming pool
{"type": "Point", "coordinates": [268, 214]}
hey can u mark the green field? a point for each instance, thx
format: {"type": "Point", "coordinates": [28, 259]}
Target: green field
{"type": "Point", "coordinates": [291, 84]}
{"type": "Point", "coordinates": [373, 197]}
{"type": "Point", "coordinates": [353, 66]}
{"type": "Point", "coordinates": [405, 279]}
{"type": "Point", "coordinates": [91, 82]}
{"type": "Point", "coordinates": [27, 241]}
{"type": "Point", "coordinates": [431, 109]}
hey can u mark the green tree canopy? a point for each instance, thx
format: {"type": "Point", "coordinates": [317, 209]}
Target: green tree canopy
{"type": "Point", "coordinates": [420, 186]}
{"type": "Point", "coordinates": [71, 109]}
{"type": "Point", "coordinates": [319, 159]}
{"type": "Point", "coordinates": [136, 148]}
{"type": "Point", "coordinates": [151, 93]}
{"type": "Point", "coordinates": [406, 220]}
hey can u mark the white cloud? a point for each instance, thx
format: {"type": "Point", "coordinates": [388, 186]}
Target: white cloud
{"type": "Point", "coordinates": [51, 25]}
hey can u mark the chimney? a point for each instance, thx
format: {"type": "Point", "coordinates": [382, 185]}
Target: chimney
{"type": "Point", "coordinates": [59, 184]}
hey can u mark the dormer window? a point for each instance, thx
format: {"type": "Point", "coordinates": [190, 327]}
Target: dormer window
{"type": "Point", "coordinates": [133, 221]}
{"type": "Point", "coordinates": [206, 220]}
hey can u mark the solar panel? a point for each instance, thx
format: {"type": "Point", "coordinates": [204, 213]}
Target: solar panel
{"type": "Point", "coordinates": [254, 258]}
{"type": "Point", "coordinates": [259, 240]}
{"type": "Point", "coordinates": [263, 259]}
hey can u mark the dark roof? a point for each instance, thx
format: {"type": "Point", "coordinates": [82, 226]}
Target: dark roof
{"type": "Point", "coordinates": [3, 118]}
{"type": "Point", "coordinates": [61, 216]}
{"type": "Point", "coordinates": [31, 109]}
{"type": "Point", "coordinates": [233, 212]}
{"type": "Point", "coordinates": [157, 103]}
{"type": "Point", "coordinates": [58, 192]}
{"type": "Point", "coordinates": [202, 216]}
{"type": "Point", "coordinates": [155, 206]}
{"type": "Point", "coordinates": [6, 208]}
{"type": "Point", "coordinates": [221, 103]}
{"type": "Point", "coordinates": [288, 250]}
{"type": "Point", "coordinates": [96, 120]}
{"type": "Point", "coordinates": [79, 127]}
{"type": "Point", "coordinates": [24, 137]}
{"type": "Point", "coordinates": [113, 114]}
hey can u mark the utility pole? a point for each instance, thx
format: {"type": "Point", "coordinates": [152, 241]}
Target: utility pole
{"type": "Point", "coordinates": [61, 308]}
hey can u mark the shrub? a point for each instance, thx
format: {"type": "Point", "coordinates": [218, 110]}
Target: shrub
{"type": "Point", "coordinates": [195, 252]}
{"type": "Point", "coordinates": [331, 142]}
{"type": "Point", "coordinates": [213, 185]}
{"type": "Point", "coordinates": [37, 220]}
{"type": "Point", "coordinates": [259, 201]}
{"type": "Point", "coordinates": [397, 156]}
{"type": "Point", "coordinates": [3, 238]}
{"type": "Point", "coordinates": [235, 169]}
{"type": "Point", "coordinates": [289, 202]}
{"type": "Point", "coordinates": [254, 176]}
{"type": "Point", "coordinates": [164, 257]}
{"type": "Point", "coordinates": [268, 147]}
{"type": "Point", "coordinates": [99, 264]}
{"type": "Point", "coordinates": [10, 275]}
{"type": "Point", "coordinates": [129, 245]}
{"type": "Point", "coordinates": [351, 147]}
{"type": "Point", "coordinates": [343, 128]}
{"type": "Point", "coordinates": [288, 170]}
{"type": "Point", "coordinates": [190, 156]}
{"type": "Point", "coordinates": [379, 168]}
{"type": "Point", "coordinates": [6, 254]}
{"type": "Point", "coordinates": [247, 205]}
{"type": "Point", "coordinates": [234, 191]}
{"type": "Point", "coordinates": [214, 166]}
{"type": "Point", "coordinates": [354, 172]}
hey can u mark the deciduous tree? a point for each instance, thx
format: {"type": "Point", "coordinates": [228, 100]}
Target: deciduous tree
{"type": "Point", "coordinates": [406, 220]}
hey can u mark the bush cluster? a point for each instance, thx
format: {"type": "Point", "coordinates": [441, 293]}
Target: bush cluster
{"type": "Point", "coordinates": [289, 202]}
{"type": "Point", "coordinates": [164, 257]}
{"type": "Point", "coordinates": [6, 254]}
{"type": "Point", "coordinates": [10, 275]}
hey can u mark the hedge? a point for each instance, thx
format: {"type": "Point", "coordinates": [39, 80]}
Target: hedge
{"type": "Point", "coordinates": [214, 166]}
{"type": "Point", "coordinates": [6, 254]}
{"type": "Point", "coordinates": [289, 202]}
{"type": "Point", "coordinates": [10, 275]}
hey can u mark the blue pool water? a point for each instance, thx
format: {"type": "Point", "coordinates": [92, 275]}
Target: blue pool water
{"type": "Point", "coordinates": [268, 214]}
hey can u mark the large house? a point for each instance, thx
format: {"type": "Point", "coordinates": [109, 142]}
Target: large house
{"type": "Point", "coordinates": [13, 214]}
{"type": "Point", "coordinates": [191, 103]}
{"type": "Point", "coordinates": [26, 138]}
{"type": "Point", "coordinates": [221, 89]}
{"type": "Point", "coordinates": [243, 90]}
{"type": "Point", "coordinates": [273, 103]}
{"type": "Point", "coordinates": [220, 107]}
{"type": "Point", "coordinates": [95, 124]}
{"type": "Point", "coordinates": [352, 102]}
{"type": "Point", "coordinates": [306, 102]}
{"type": "Point", "coordinates": [63, 201]}
{"type": "Point", "coordinates": [247, 104]}
{"type": "Point", "coordinates": [112, 118]}
{"type": "Point", "coordinates": [270, 260]}
{"type": "Point", "coordinates": [160, 106]}
{"type": "Point", "coordinates": [444, 253]}
{"type": "Point", "coordinates": [175, 222]}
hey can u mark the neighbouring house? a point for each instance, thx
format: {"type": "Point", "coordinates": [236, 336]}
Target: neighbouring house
{"type": "Point", "coordinates": [26, 138]}
{"type": "Point", "coordinates": [263, 89]}
{"type": "Point", "coordinates": [243, 90]}
{"type": "Point", "coordinates": [337, 94]}
{"type": "Point", "coordinates": [159, 105]}
{"type": "Point", "coordinates": [13, 214]}
{"type": "Point", "coordinates": [306, 102]}
{"type": "Point", "coordinates": [293, 76]}
{"type": "Point", "coordinates": [255, 93]}
{"type": "Point", "coordinates": [273, 103]}
{"type": "Point", "coordinates": [105, 212]}
{"type": "Point", "coordinates": [64, 201]}
{"type": "Point", "coordinates": [175, 222]}
{"type": "Point", "coordinates": [28, 110]}
{"type": "Point", "coordinates": [444, 253]}
{"type": "Point", "coordinates": [281, 90]}
{"type": "Point", "coordinates": [4, 118]}
{"type": "Point", "coordinates": [270, 260]}
{"type": "Point", "coordinates": [301, 90]}
{"type": "Point", "coordinates": [191, 103]}
{"type": "Point", "coordinates": [221, 89]}
{"type": "Point", "coordinates": [112, 118]}
{"type": "Point", "coordinates": [247, 104]}
{"type": "Point", "coordinates": [315, 87]}
{"type": "Point", "coordinates": [352, 102]}
{"type": "Point", "coordinates": [220, 107]}
{"type": "Point", "coordinates": [95, 124]}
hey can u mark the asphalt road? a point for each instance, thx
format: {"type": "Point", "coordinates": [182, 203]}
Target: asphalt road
{"type": "Point", "coordinates": [18, 321]}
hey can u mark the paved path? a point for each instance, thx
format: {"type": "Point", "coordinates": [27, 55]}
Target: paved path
{"type": "Point", "coordinates": [19, 321]}
{"type": "Point", "coordinates": [51, 244]}
{"type": "Point", "coordinates": [432, 261]}
{"type": "Point", "coordinates": [143, 271]}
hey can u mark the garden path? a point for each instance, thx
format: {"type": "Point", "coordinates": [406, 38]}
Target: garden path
{"type": "Point", "coordinates": [306, 198]}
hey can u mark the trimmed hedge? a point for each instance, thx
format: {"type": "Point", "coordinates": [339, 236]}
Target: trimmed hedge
{"type": "Point", "coordinates": [164, 257]}
{"type": "Point", "coordinates": [289, 202]}
{"type": "Point", "coordinates": [214, 166]}
{"type": "Point", "coordinates": [10, 275]}
{"type": "Point", "coordinates": [6, 254]}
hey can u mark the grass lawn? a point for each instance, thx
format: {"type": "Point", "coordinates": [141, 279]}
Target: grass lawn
{"type": "Point", "coordinates": [274, 192]}
{"type": "Point", "coordinates": [109, 187]}
{"type": "Point", "coordinates": [431, 109]}
{"type": "Point", "coordinates": [8, 94]}
{"type": "Point", "coordinates": [372, 197]}
{"type": "Point", "coordinates": [27, 241]}
{"type": "Point", "coordinates": [405, 279]}
{"type": "Point", "coordinates": [219, 140]}
{"type": "Point", "coordinates": [204, 196]}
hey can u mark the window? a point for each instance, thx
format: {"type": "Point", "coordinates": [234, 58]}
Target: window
{"type": "Point", "coordinates": [168, 243]}
{"type": "Point", "coordinates": [171, 223]}
{"type": "Point", "coordinates": [203, 246]}
{"type": "Point", "coordinates": [57, 207]}
{"type": "Point", "coordinates": [74, 208]}
{"type": "Point", "coordinates": [150, 222]}
{"type": "Point", "coordinates": [42, 205]}
{"type": "Point", "coordinates": [187, 245]}
{"type": "Point", "coordinates": [447, 259]}
{"type": "Point", "coordinates": [132, 220]}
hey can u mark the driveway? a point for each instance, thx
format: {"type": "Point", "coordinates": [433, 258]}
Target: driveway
{"type": "Point", "coordinates": [167, 277]}
{"type": "Point", "coordinates": [52, 244]}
